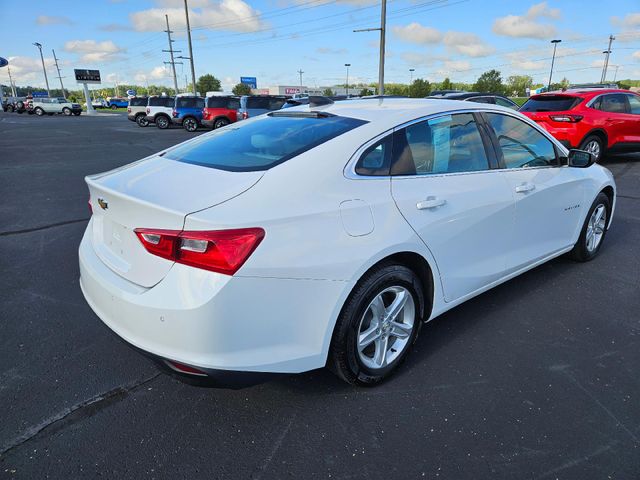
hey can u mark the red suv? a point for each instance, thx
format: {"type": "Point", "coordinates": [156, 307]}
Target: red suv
{"type": "Point", "coordinates": [595, 120]}
{"type": "Point", "coordinates": [220, 111]}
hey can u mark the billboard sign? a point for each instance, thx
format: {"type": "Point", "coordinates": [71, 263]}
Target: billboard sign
{"type": "Point", "coordinates": [251, 81]}
{"type": "Point", "coordinates": [3, 62]}
{"type": "Point", "coordinates": [292, 90]}
{"type": "Point", "coordinates": [87, 76]}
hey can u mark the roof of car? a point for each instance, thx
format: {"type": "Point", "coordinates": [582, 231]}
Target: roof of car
{"type": "Point", "coordinates": [461, 95]}
{"type": "Point", "coordinates": [582, 92]}
{"type": "Point", "coordinates": [389, 112]}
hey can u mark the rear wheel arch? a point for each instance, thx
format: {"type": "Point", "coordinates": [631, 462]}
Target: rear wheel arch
{"type": "Point", "coordinates": [599, 133]}
{"type": "Point", "coordinates": [609, 192]}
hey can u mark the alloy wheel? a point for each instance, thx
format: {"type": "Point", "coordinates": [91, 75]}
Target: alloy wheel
{"type": "Point", "coordinates": [386, 327]}
{"type": "Point", "coordinates": [595, 228]}
{"type": "Point", "coordinates": [593, 147]}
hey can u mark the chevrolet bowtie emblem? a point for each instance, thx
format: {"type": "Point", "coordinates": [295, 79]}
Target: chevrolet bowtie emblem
{"type": "Point", "coordinates": [103, 205]}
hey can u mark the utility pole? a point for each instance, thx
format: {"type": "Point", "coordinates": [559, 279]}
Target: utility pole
{"type": "Point", "coordinates": [347, 84]}
{"type": "Point", "coordinates": [607, 52]}
{"type": "Point", "coordinates": [382, 29]}
{"type": "Point", "coordinates": [553, 59]}
{"type": "Point", "coordinates": [172, 62]}
{"type": "Point", "coordinates": [193, 70]}
{"type": "Point", "coordinates": [13, 86]}
{"type": "Point", "coordinates": [616, 75]}
{"type": "Point", "coordinates": [300, 72]}
{"type": "Point", "coordinates": [59, 76]}
{"type": "Point", "coordinates": [46, 80]}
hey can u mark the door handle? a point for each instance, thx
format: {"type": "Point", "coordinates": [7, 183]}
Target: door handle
{"type": "Point", "coordinates": [525, 187]}
{"type": "Point", "coordinates": [430, 202]}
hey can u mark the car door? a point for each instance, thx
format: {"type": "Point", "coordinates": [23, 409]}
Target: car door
{"type": "Point", "coordinates": [617, 119]}
{"type": "Point", "coordinates": [463, 210]}
{"type": "Point", "coordinates": [549, 196]}
{"type": "Point", "coordinates": [632, 119]}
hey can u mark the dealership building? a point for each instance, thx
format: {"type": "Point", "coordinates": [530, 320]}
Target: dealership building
{"type": "Point", "coordinates": [291, 90]}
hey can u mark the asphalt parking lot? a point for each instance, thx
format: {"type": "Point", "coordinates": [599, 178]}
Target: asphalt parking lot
{"type": "Point", "coordinates": [536, 379]}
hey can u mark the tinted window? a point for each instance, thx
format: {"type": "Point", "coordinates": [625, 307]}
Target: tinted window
{"type": "Point", "coordinates": [521, 145]}
{"type": "Point", "coordinates": [451, 143]}
{"type": "Point", "coordinates": [503, 102]}
{"type": "Point", "coordinates": [550, 103]}
{"type": "Point", "coordinates": [614, 103]}
{"type": "Point", "coordinates": [261, 143]}
{"type": "Point", "coordinates": [190, 102]}
{"type": "Point", "coordinates": [376, 159]}
{"type": "Point", "coordinates": [223, 102]}
{"type": "Point", "coordinates": [138, 102]}
{"type": "Point", "coordinates": [161, 101]}
{"type": "Point", "coordinates": [481, 100]}
{"type": "Point", "coordinates": [266, 103]}
{"type": "Point", "coordinates": [634, 104]}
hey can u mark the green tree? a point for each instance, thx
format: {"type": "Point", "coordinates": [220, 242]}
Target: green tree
{"type": "Point", "coordinates": [241, 89]}
{"type": "Point", "coordinates": [366, 91]}
{"type": "Point", "coordinates": [208, 83]}
{"type": "Point", "coordinates": [446, 84]}
{"type": "Point", "coordinates": [419, 88]}
{"type": "Point", "coordinates": [489, 82]}
{"type": "Point", "coordinates": [327, 92]}
{"type": "Point", "coordinates": [396, 89]}
{"type": "Point", "coordinates": [517, 85]}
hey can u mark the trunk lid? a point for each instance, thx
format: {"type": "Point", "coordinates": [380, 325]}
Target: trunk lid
{"type": "Point", "coordinates": [154, 193]}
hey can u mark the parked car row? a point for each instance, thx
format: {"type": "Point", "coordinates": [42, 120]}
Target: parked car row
{"type": "Point", "coordinates": [193, 112]}
{"type": "Point", "coordinates": [41, 106]}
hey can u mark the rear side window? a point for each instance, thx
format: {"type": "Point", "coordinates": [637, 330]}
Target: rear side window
{"type": "Point", "coordinates": [223, 102]}
{"type": "Point", "coordinates": [138, 102]}
{"type": "Point", "coordinates": [503, 102]}
{"type": "Point", "coordinates": [634, 104]}
{"type": "Point", "coordinates": [161, 101]}
{"type": "Point", "coordinates": [521, 145]}
{"type": "Point", "coordinates": [190, 102]}
{"type": "Point", "coordinates": [447, 144]}
{"type": "Point", "coordinates": [550, 103]}
{"type": "Point", "coordinates": [262, 143]}
{"type": "Point", "coordinates": [266, 103]}
{"type": "Point", "coordinates": [376, 159]}
{"type": "Point", "coordinates": [481, 100]}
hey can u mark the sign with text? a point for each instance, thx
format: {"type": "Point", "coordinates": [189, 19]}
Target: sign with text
{"type": "Point", "coordinates": [87, 76]}
{"type": "Point", "coordinates": [292, 90]}
{"type": "Point", "coordinates": [251, 81]}
{"type": "Point", "coordinates": [39, 94]}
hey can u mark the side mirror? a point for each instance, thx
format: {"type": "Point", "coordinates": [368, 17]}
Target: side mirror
{"type": "Point", "coordinates": [580, 159]}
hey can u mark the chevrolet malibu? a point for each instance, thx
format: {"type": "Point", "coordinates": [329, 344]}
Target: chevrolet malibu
{"type": "Point", "coordinates": [328, 234]}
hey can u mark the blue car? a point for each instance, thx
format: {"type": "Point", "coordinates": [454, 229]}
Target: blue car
{"type": "Point", "coordinates": [115, 102]}
{"type": "Point", "coordinates": [188, 112]}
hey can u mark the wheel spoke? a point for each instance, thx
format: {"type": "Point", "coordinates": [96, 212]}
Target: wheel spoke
{"type": "Point", "coordinates": [400, 330]}
{"type": "Point", "coordinates": [598, 216]}
{"type": "Point", "coordinates": [380, 356]}
{"type": "Point", "coordinates": [367, 337]}
{"type": "Point", "coordinates": [397, 305]}
{"type": "Point", "coordinates": [377, 309]}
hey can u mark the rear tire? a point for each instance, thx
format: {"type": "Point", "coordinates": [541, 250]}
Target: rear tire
{"type": "Point", "coordinates": [594, 145]}
{"type": "Point", "coordinates": [114, 107]}
{"type": "Point", "coordinates": [142, 121]}
{"type": "Point", "coordinates": [38, 111]}
{"type": "Point", "coordinates": [593, 231]}
{"type": "Point", "coordinates": [162, 122]}
{"type": "Point", "coordinates": [221, 122]}
{"type": "Point", "coordinates": [190, 124]}
{"type": "Point", "coordinates": [368, 326]}
{"type": "Point", "coordinates": [66, 111]}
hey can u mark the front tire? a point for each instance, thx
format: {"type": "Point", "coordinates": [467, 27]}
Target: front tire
{"type": "Point", "coordinates": [162, 122]}
{"type": "Point", "coordinates": [594, 145]}
{"type": "Point", "coordinates": [593, 231]}
{"type": "Point", "coordinates": [114, 107]}
{"type": "Point", "coordinates": [142, 121]}
{"type": "Point", "coordinates": [66, 111]}
{"type": "Point", "coordinates": [377, 326]}
{"type": "Point", "coordinates": [38, 111]}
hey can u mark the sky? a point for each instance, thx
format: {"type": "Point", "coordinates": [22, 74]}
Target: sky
{"type": "Point", "coordinates": [274, 39]}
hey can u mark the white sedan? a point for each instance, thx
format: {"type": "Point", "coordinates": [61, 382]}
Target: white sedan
{"type": "Point", "coordinates": [327, 234]}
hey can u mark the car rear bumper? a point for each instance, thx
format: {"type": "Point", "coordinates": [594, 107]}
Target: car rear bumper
{"type": "Point", "coordinates": [216, 322]}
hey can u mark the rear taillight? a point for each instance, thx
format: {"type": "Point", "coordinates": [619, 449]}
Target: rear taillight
{"type": "Point", "coordinates": [222, 251]}
{"type": "Point", "coordinates": [245, 115]}
{"type": "Point", "coordinates": [128, 109]}
{"type": "Point", "coordinates": [566, 118]}
{"type": "Point", "coordinates": [174, 113]}
{"type": "Point", "coordinates": [148, 110]}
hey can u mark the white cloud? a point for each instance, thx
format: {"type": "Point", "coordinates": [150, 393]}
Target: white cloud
{"type": "Point", "coordinates": [53, 20]}
{"type": "Point", "coordinates": [456, 65]}
{"type": "Point", "coordinates": [631, 20]}
{"type": "Point", "coordinates": [416, 33]}
{"type": "Point", "coordinates": [468, 44]}
{"type": "Point", "coordinates": [636, 55]}
{"type": "Point", "coordinates": [91, 51]}
{"type": "Point", "coordinates": [420, 59]}
{"type": "Point", "coordinates": [230, 15]}
{"type": "Point", "coordinates": [527, 25]}
{"type": "Point", "coordinates": [28, 70]}
{"type": "Point", "coordinates": [524, 62]}
{"type": "Point", "coordinates": [331, 51]}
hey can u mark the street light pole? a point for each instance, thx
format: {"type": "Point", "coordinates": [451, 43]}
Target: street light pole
{"type": "Point", "coordinates": [193, 70]}
{"type": "Point", "coordinates": [553, 59]}
{"type": "Point", "coordinates": [347, 84]}
{"type": "Point", "coordinates": [46, 80]}
{"type": "Point", "coordinates": [616, 74]}
{"type": "Point", "coordinates": [300, 72]}
{"type": "Point", "coordinates": [411, 70]}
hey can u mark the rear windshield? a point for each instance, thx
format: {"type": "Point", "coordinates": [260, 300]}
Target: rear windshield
{"type": "Point", "coordinates": [550, 103]}
{"type": "Point", "coordinates": [262, 143]}
{"type": "Point", "coordinates": [223, 102]}
{"type": "Point", "coordinates": [190, 102]}
{"type": "Point", "coordinates": [138, 102]}
{"type": "Point", "coordinates": [161, 101]}
{"type": "Point", "coordinates": [266, 103]}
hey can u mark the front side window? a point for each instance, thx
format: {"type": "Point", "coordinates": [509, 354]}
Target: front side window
{"type": "Point", "coordinates": [376, 159]}
{"type": "Point", "coordinates": [614, 103]}
{"type": "Point", "coordinates": [521, 145]}
{"type": "Point", "coordinates": [189, 102]}
{"type": "Point", "coordinates": [503, 102]}
{"type": "Point", "coordinates": [447, 144]}
{"type": "Point", "coordinates": [262, 143]}
{"type": "Point", "coordinates": [634, 104]}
